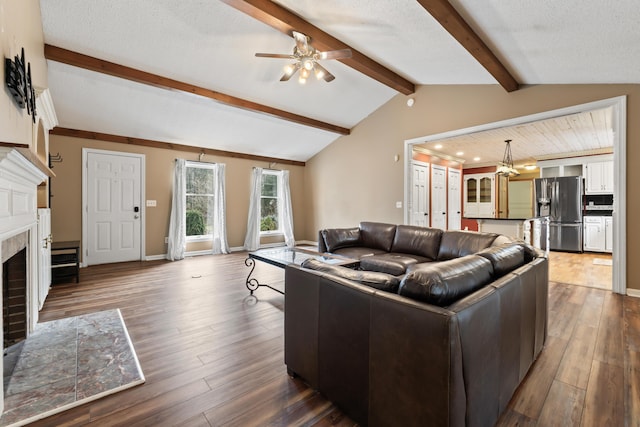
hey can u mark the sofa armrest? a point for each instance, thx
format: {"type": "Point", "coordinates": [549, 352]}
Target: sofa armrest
{"type": "Point", "coordinates": [322, 246]}
{"type": "Point", "coordinates": [415, 369]}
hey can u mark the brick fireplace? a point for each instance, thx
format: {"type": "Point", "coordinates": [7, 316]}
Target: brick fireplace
{"type": "Point", "coordinates": [14, 289]}
{"type": "Point", "coordinates": [19, 179]}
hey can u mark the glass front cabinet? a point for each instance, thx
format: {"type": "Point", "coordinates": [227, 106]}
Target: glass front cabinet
{"type": "Point", "coordinates": [479, 195]}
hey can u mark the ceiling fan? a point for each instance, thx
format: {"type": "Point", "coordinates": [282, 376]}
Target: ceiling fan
{"type": "Point", "coordinates": [306, 59]}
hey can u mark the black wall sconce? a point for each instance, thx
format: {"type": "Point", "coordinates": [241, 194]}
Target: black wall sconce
{"type": "Point", "coordinates": [18, 81]}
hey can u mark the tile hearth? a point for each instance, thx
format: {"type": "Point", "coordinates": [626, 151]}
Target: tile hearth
{"type": "Point", "coordinates": [68, 362]}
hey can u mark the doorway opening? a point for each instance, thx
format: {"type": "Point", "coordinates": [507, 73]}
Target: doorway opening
{"type": "Point", "coordinates": [618, 125]}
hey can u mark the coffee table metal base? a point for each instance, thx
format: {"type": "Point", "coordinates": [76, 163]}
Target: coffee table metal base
{"type": "Point", "coordinates": [251, 282]}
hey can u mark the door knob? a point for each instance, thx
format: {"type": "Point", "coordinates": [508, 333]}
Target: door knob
{"type": "Point", "coordinates": [136, 216]}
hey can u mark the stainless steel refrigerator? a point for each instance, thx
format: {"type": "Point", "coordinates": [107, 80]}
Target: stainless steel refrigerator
{"type": "Point", "coordinates": [561, 200]}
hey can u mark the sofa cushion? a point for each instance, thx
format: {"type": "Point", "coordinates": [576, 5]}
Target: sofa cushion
{"type": "Point", "coordinates": [390, 263]}
{"type": "Point", "coordinates": [504, 258]}
{"type": "Point", "coordinates": [336, 238]}
{"type": "Point", "coordinates": [455, 244]}
{"type": "Point", "coordinates": [423, 241]}
{"type": "Point", "coordinates": [357, 252]}
{"type": "Point", "coordinates": [377, 235]}
{"type": "Point", "coordinates": [445, 282]}
{"type": "Point", "coordinates": [377, 280]}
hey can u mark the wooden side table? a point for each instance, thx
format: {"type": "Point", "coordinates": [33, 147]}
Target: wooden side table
{"type": "Point", "coordinates": [65, 261]}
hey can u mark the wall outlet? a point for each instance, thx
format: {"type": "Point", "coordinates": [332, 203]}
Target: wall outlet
{"type": "Point", "coordinates": [151, 203]}
{"type": "Point", "coordinates": [166, 240]}
{"type": "Point", "coordinates": [399, 205]}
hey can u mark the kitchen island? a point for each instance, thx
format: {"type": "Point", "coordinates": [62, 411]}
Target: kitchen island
{"type": "Point", "coordinates": [512, 227]}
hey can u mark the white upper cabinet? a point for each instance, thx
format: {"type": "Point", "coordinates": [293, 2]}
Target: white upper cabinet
{"type": "Point", "coordinates": [598, 177]}
{"type": "Point", "coordinates": [479, 195]}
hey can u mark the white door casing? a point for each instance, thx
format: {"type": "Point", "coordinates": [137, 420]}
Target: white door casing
{"type": "Point", "coordinates": [619, 126]}
{"type": "Point", "coordinates": [44, 254]}
{"type": "Point", "coordinates": [454, 208]}
{"type": "Point", "coordinates": [438, 197]}
{"type": "Point", "coordinates": [420, 194]}
{"type": "Point", "coordinates": [113, 212]}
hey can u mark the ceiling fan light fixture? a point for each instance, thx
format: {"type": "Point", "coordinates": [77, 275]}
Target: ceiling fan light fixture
{"type": "Point", "coordinates": [289, 69]}
{"type": "Point", "coordinates": [319, 74]}
{"type": "Point", "coordinates": [307, 64]}
{"type": "Point", "coordinates": [304, 73]}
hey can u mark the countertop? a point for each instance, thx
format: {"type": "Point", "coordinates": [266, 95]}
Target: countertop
{"type": "Point", "coordinates": [497, 219]}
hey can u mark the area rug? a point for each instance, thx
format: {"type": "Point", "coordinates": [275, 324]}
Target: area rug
{"type": "Point", "coordinates": [602, 261]}
{"type": "Point", "coordinates": [68, 362]}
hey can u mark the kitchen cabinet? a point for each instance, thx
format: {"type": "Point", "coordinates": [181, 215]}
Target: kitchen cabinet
{"type": "Point", "coordinates": [598, 177]}
{"type": "Point", "coordinates": [594, 233]}
{"type": "Point", "coordinates": [608, 234]}
{"type": "Point", "coordinates": [479, 195]}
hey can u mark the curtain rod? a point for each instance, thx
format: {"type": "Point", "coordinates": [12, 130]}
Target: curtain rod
{"type": "Point", "coordinates": [269, 169]}
{"type": "Point", "coordinates": [197, 161]}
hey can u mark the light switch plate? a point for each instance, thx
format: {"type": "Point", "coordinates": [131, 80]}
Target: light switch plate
{"type": "Point", "coordinates": [399, 205]}
{"type": "Point", "coordinates": [151, 203]}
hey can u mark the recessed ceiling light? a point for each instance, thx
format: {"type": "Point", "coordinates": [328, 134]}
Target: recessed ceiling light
{"type": "Point", "coordinates": [530, 167]}
{"type": "Point", "coordinates": [438, 146]}
{"type": "Point", "coordinates": [475, 159]}
{"type": "Point", "coordinates": [459, 153]}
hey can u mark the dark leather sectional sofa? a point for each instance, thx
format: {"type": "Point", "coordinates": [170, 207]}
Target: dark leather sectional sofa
{"type": "Point", "coordinates": [444, 343]}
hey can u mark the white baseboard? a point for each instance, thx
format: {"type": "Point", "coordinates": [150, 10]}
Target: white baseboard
{"type": "Point", "coordinates": [155, 257]}
{"type": "Point", "coordinates": [633, 292]}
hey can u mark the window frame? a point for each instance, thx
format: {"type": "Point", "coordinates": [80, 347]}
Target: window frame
{"type": "Point", "coordinates": [278, 197]}
{"type": "Point", "coordinates": [199, 165]}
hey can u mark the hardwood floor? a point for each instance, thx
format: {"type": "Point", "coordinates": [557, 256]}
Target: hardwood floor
{"type": "Point", "coordinates": [585, 269]}
{"type": "Point", "coordinates": [213, 356]}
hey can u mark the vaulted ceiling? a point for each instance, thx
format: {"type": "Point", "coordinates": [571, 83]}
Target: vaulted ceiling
{"type": "Point", "coordinates": [184, 72]}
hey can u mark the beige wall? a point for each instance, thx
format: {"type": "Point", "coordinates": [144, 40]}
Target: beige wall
{"type": "Point", "coordinates": [20, 26]}
{"type": "Point", "coordinates": [66, 188]}
{"type": "Point", "coordinates": [356, 178]}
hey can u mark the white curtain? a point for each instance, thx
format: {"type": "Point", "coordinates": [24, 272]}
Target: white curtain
{"type": "Point", "coordinates": [252, 238]}
{"type": "Point", "coordinates": [219, 217]}
{"type": "Point", "coordinates": [287, 212]}
{"type": "Point", "coordinates": [177, 225]}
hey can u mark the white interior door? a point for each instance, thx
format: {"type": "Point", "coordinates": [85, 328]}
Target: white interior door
{"type": "Point", "coordinates": [419, 195]}
{"type": "Point", "coordinates": [454, 208]}
{"type": "Point", "coordinates": [113, 207]}
{"type": "Point", "coordinates": [438, 197]}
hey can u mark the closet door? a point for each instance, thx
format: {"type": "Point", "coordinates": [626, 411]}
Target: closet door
{"type": "Point", "coordinates": [454, 210]}
{"type": "Point", "coordinates": [419, 214]}
{"type": "Point", "coordinates": [438, 197]}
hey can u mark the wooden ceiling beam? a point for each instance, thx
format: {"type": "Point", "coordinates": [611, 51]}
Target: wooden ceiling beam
{"type": "Point", "coordinates": [451, 21]}
{"type": "Point", "coordinates": [285, 21]}
{"type": "Point", "coordinates": [75, 133]}
{"type": "Point", "coordinates": [75, 59]}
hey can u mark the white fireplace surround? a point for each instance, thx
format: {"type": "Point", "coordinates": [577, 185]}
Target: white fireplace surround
{"type": "Point", "coordinates": [19, 180]}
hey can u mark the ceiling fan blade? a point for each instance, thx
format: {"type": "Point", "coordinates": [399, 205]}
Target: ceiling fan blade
{"type": "Point", "coordinates": [335, 54]}
{"type": "Point", "coordinates": [275, 55]}
{"type": "Point", "coordinates": [302, 43]}
{"type": "Point", "coordinates": [287, 76]}
{"type": "Point", "coordinates": [326, 75]}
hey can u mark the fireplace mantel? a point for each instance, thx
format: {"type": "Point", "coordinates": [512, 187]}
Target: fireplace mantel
{"type": "Point", "coordinates": [19, 179]}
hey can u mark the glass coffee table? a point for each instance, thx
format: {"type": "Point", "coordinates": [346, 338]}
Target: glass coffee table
{"type": "Point", "coordinates": [283, 256]}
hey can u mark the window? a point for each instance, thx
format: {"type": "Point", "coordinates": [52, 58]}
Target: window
{"type": "Point", "coordinates": [200, 183]}
{"type": "Point", "coordinates": [270, 203]}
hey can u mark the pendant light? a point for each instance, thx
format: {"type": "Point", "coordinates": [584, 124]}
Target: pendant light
{"type": "Point", "coordinates": [506, 167]}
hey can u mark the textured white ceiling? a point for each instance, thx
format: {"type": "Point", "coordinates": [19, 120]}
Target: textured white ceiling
{"type": "Point", "coordinates": [210, 44]}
